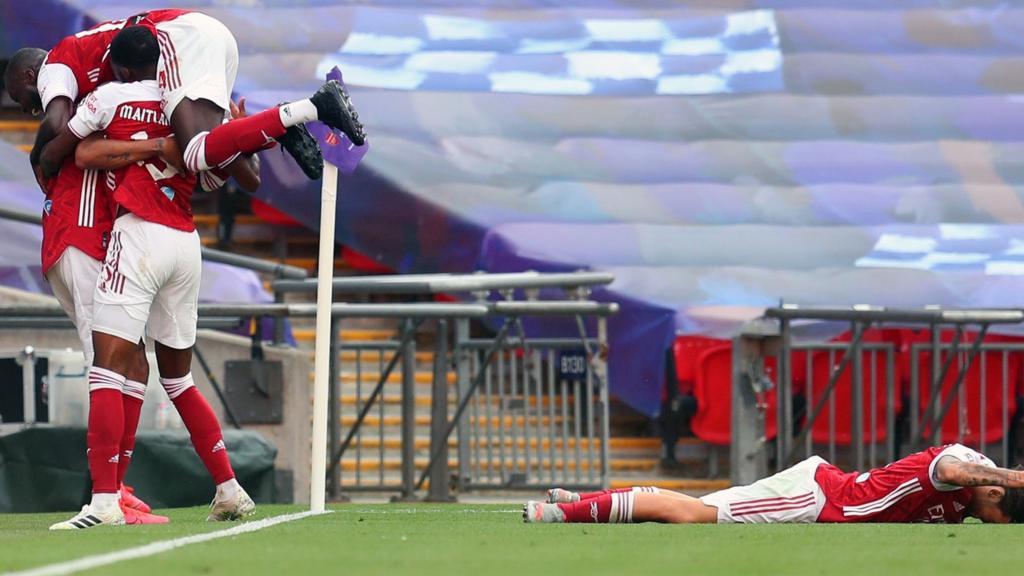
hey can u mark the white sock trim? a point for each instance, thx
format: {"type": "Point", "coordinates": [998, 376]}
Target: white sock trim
{"type": "Point", "coordinates": [299, 112]}
{"type": "Point", "coordinates": [103, 379]}
{"type": "Point", "coordinates": [134, 389]}
{"type": "Point", "coordinates": [622, 508]}
{"type": "Point", "coordinates": [195, 154]}
{"type": "Point", "coordinates": [177, 386]}
{"type": "Point", "coordinates": [647, 489]}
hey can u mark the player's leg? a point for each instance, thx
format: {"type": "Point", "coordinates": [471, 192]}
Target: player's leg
{"type": "Point", "coordinates": [199, 56]}
{"type": "Point", "coordinates": [789, 496]}
{"type": "Point", "coordinates": [627, 506]}
{"type": "Point", "coordinates": [563, 496]}
{"type": "Point", "coordinates": [124, 289]}
{"type": "Point", "coordinates": [172, 325]}
{"type": "Point", "coordinates": [136, 510]}
{"type": "Point", "coordinates": [73, 281]}
{"type": "Point", "coordinates": [212, 144]}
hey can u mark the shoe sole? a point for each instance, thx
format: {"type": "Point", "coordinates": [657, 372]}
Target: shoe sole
{"type": "Point", "coordinates": [347, 119]}
{"type": "Point", "coordinates": [302, 147]}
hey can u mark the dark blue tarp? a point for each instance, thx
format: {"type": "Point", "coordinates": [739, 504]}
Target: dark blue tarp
{"type": "Point", "coordinates": [717, 156]}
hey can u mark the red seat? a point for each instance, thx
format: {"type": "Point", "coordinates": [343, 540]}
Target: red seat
{"type": "Point", "coordinates": [822, 367]}
{"type": "Point", "coordinates": [971, 391]}
{"type": "Point", "coordinates": [713, 421]}
{"type": "Point", "coordinates": [686, 350]}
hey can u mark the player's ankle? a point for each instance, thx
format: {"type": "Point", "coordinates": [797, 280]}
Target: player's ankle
{"type": "Point", "coordinates": [104, 501]}
{"type": "Point", "coordinates": [227, 489]}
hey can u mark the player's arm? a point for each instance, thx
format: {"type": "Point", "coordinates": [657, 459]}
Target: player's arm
{"type": "Point", "coordinates": [951, 470]}
{"type": "Point", "coordinates": [246, 171]}
{"type": "Point", "coordinates": [56, 150]}
{"type": "Point", "coordinates": [56, 117]}
{"type": "Point", "coordinates": [98, 153]}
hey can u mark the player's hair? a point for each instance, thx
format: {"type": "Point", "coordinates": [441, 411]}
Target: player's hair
{"type": "Point", "coordinates": [21, 60]}
{"type": "Point", "coordinates": [135, 48]}
{"type": "Point", "coordinates": [1012, 503]}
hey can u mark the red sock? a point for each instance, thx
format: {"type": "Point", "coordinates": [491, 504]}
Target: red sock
{"type": "Point", "coordinates": [132, 410]}
{"type": "Point", "coordinates": [245, 135]}
{"type": "Point", "coordinates": [634, 489]}
{"type": "Point", "coordinates": [604, 509]}
{"type": "Point", "coordinates": [202, 425]}
{"type": "Point", "coordinates": [106, 424]}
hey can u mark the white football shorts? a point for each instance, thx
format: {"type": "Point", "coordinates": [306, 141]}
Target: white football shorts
{"type": "Point", "coordinates": [149, 283]}
{"type": "Point", "coordinates": [73, 281]}
{"type": "Point", "coordinates": [790, 496]}
{"type": "Point", "coordinates": [198, 61]}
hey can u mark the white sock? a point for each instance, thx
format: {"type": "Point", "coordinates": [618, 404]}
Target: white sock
{"type": "Point", "coordinates": [622, 508]}
{"type": "Point", "coordinates": [297, 112]}
{"type": "Point", "coordinates": [227, 489]}
{"type": "Point", "coordinates": [101, 502]}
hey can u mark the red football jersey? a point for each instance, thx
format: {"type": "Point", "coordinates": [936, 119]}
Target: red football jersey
{"type": "Point", "coordinates": [77, 212]}
{"type": "Point", "coordinates": [150, 189]}
{"type": "Point", "coordinates": [904, 491]}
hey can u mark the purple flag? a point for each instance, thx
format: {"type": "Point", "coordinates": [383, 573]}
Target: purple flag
{"type": "Point", "coordinates": [336, 146]}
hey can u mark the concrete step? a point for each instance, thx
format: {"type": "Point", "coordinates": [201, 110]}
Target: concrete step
{"type": "Point", "coordinates": [423, 443]}
{"type": "Point", "coordinates": [425, 400]}
{"type": "Point", "coordinates": [675, 484]}
{"type": "Point", "coordinates": [421, 377]}
{"type": "Point", "coordinates": [617, 465]}
{"type": "Point", "coordinates": [30, 126]}
{"type": "Point", "coordinates": [374, 421]}
{"type": "Point", "coordinates": [350, 334]}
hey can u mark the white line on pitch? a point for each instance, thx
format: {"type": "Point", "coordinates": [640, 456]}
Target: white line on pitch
{"type": "Point", "coordinates": [72, 566]}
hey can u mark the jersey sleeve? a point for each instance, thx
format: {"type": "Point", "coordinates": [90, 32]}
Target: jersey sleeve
{"type": "Point", "coordinates": [962, 453]}
{"type": "Point", "coordinates": [94, 113]}
{"type": "Point", "coordinates": [56, 79]}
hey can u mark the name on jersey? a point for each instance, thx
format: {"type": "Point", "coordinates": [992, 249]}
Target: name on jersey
{"type": "Point", "coordinates": [145, 115]}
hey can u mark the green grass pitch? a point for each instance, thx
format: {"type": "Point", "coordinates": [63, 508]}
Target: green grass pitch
{"type": "Point", "coordinates": [428, 539]}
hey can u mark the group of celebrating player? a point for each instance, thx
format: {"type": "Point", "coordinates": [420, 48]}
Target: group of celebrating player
{"type": "Point", "coordinates": [136, 114]}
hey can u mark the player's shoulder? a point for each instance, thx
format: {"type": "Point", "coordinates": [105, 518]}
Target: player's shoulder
{"type": "Point", "coordinates": [65, 52]}
{"type": "Point", "coordinates": [113, 94]}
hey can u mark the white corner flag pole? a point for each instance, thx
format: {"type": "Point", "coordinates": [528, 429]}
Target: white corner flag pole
{"type": "Point", "coordinates": [324, 299]}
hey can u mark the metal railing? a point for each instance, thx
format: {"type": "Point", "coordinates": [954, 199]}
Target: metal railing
{"type": "Point", "coordinates": [883, 411]}
{"type": "Point", "coordinates": [573, 453]}
{"type": "Point", "coordinates": [275, 269]}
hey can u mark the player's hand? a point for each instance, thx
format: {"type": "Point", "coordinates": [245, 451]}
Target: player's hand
{"type": "Point", "coordinates": [41, 179]}
{"type": "Point", "coordinates": [171, 153]}
{"type": "Point", "coordinates": [238, 110]}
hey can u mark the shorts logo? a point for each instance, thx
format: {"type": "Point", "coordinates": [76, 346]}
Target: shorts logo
{"type": "Point", "coordinates": [47, 206]}
{"type": "Point", "coordinates": [111, 279]}
{"type": "Point", "coordinates": [863, 477]}
{"type": "Point", "coordinates": [332, 139]}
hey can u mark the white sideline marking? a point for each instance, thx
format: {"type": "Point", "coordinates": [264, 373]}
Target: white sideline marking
{"type": "Point", "coordinates": [72, 566]}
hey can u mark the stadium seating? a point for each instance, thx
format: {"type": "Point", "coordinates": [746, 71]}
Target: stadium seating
{"type": "Point", "coordinates": [687, 350]}
{"type": "Point", "coordinates": [713, 389]}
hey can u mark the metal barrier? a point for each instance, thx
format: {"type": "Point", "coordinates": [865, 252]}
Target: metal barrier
{"type": "Point", "coordinates": [553, 424]}
{"type": "Point", "coordinates": [508, 399]}
{"type": "Point", "coordinates": [876, 390]}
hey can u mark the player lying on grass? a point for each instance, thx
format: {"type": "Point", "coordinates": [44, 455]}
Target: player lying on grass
{"type": "Point", "coordinates": [942, 484]}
